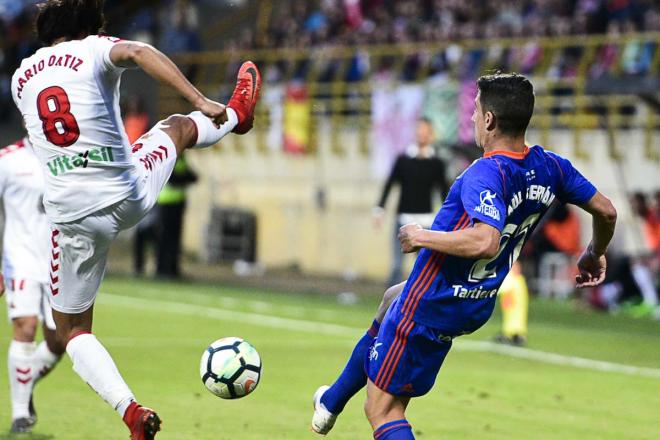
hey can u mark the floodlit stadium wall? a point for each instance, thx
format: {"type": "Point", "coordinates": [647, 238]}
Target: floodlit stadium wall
{"type": "Point", "coordinates": [324, 140]}
{"type": "Point", "coordinates": [314, 212]}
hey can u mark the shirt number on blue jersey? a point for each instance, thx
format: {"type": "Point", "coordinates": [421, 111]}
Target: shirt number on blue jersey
{"type": "Point", "coordinates": [481, 271]}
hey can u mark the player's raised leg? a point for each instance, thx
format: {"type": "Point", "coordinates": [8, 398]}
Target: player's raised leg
{"type": "Point", "coordinates": [197, 129]}
{"type": "Point", "coordinates": [329, 402]}
{"type": "Point", "coordinates": [204, 132]}
{"type": "Point", "coordinates": [213, 120]}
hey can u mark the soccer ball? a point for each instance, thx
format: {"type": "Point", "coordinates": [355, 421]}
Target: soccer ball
{"type": "Point", "coordinates": [230, 368]}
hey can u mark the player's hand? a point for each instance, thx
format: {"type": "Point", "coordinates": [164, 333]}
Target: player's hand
{"type": "Point", "coordinates": [214, 110]}
{"type": "Point", "coordinates": [2, 285]}
{"type": "Point", "coordinates": [592, 269]}
{"type": "Point", "coordinates": [407, 235]}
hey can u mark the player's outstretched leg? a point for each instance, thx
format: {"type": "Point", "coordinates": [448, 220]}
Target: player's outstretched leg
{"type": "Point", "coordinates": [240, 115]}
{"type": "Point", "coordinates": [330, 401]}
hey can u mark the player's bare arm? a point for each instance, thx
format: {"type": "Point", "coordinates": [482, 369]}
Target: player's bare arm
{"type": "Point", "coordinates": [132, 54]}
{"type": "Point", "coordinates": [592, 263]}
{"type": "Point", "coordinates": [479, 241]}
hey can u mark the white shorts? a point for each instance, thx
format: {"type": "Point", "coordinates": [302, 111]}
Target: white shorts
{"type": "Point", "coordinates": [80, 247]}
{"type": "Point", "coordinates": [28, 298]}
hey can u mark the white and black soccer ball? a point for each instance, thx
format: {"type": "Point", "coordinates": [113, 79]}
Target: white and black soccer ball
{"type": "Point", "coordinates": [230, 368]}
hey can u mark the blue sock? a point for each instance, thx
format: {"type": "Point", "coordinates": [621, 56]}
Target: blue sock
{"type": "Point", "coordinates": [394, 430]}
{"type": "Point", "coordinates": [353, 378]}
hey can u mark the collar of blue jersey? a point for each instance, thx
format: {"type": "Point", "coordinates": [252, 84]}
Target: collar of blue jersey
{"type": "Point", "coordinates": [511, 154]}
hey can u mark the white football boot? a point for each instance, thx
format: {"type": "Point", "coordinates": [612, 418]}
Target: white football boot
{"type": "Point", "coordinates": [323, 420]}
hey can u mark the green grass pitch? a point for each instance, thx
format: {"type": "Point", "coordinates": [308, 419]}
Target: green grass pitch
{"type": "Point", "coordinates": [156, 332]}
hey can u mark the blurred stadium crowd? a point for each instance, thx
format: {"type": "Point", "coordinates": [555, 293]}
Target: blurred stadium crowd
{"type": "Point", "coordinates": [174, 26]}
{"type": "Point", "coordinates": [178, 26]}
{"type": "Point", "coordinates": [405, 21]}
{"type": "Point", "coordinates": [374, 22]}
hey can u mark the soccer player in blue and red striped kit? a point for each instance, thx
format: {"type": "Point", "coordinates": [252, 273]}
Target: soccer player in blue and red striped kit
{"type": "Point", "coordinates": [477, 235]}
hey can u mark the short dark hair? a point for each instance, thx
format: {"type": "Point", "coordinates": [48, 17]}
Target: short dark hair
{"type": "Point", "coordinates": [70, 19]}
{"type": "Point", "coordinates": [510, 97]}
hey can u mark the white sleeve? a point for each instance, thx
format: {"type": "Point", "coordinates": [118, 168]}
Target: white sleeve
{"type": "Point", "coordinates": [100, 47]}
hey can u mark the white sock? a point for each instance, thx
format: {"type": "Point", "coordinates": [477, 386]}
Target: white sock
{"type": "Point", "coordinates": [94, 365]}
{"type": "Point", "coordinates": [43, 360]}
{"type": "Point", "coordinates": [21, 377]}
{"type": "Point", "coordinates": [123, 405]}
{"type": "Point", "coordinates": [207, 133]}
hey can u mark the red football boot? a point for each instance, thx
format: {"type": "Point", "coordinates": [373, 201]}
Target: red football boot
{"type": "Point", "coordinates": [143, 422]}
{"type": "Point", "coordinates": [245, 96]}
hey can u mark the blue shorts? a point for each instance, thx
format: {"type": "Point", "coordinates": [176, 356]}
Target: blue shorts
{"type": "Point", "coordinates": [406, 356]}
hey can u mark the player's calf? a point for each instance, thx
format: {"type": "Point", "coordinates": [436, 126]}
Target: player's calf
{"type": "Point", "coordinates": [386, 414]}
{"type": "Point", "coordinates": [382, 407]}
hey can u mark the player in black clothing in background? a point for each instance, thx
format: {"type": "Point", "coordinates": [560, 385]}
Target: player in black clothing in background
{"type": "Point", "coordinates": [418, 171]}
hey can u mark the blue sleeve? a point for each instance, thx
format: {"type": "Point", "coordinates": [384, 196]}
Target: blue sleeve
{"type": "Point", "coordinates": [482, 193]}
{"type": "Point", "coordinates": [573, 187]}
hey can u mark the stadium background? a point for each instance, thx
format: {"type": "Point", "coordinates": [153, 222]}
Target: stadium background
{"type": "Point", "coordinates": [345, 82]}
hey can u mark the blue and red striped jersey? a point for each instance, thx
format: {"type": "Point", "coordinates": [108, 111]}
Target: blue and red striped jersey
{"type": "Point", "coordinates": [509, 191]}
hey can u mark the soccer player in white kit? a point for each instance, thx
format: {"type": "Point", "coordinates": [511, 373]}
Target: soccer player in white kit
{"type": "Point", "coordinates": [25, 277]}
{"type": "Point", "coordinates": [96, 183]}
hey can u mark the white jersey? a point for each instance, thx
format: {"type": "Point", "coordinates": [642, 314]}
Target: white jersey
{"type": "Point", "coordinates": [26, 242]}
{"type": "Point", "coordinates": [69, 97]}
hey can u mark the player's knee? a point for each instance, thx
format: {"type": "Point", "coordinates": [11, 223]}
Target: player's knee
{"type": "Point", "coordinates": [388, 298]}
{"type": "Point", "coordinates": [176, 122]}
{"type": "Point", "coordinates": [181, 129]}
{"type": "Point", "coordinates": [390, 295]}
{"type": "Point", "coordinates": [25, 328]}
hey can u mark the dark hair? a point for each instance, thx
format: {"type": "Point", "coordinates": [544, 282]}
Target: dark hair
{"type": "Point", "coordinates": [510, 97]}
{"type": "Point", "coordinates": [70, 19]}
